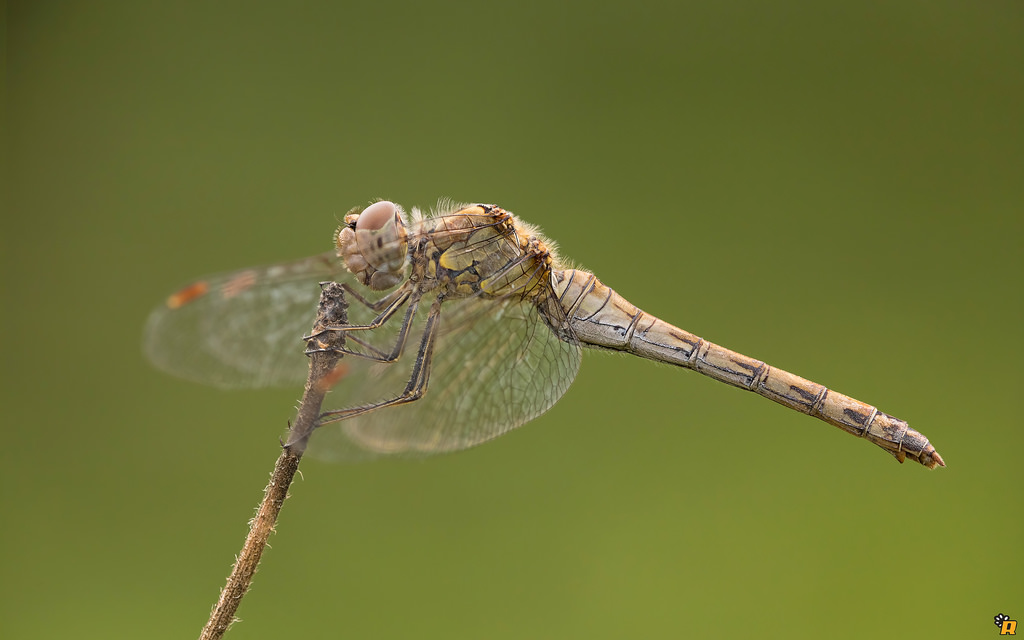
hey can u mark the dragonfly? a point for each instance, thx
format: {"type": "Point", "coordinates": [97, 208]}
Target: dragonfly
{"type": "Point", "coordinates": [464, 323]}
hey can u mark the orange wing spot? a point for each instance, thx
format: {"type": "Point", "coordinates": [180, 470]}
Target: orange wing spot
{"type": "Point", "coordinates": [333, 376]}
{"type": "Point", "coordinates": [188, 294]}
{"type": "Point", "coordinates": [238, 284]}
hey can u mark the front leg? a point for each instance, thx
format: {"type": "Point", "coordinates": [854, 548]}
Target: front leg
{"type": "Point", "coordinates": [412, 296]}
{"type": "Point", "coordinates": [393, 301]}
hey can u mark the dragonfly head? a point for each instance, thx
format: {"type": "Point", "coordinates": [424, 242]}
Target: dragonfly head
{"type": "Point", "coordinates": [374, 244]}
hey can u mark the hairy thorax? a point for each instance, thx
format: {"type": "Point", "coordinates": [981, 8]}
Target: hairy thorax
{"type": "Point", "coordinates": [479, 250]}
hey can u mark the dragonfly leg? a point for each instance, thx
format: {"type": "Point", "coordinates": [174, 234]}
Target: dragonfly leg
{"type": "Point", "coordinates": [372, 352]}
{"type": "Point", "coordinates": [395, 301]}
{"type": "Point", "coordinates": [372, 305]}
{"type": "Point", "coordinates": [417, 384]}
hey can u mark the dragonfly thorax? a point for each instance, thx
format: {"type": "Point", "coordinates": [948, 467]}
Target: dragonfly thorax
{"type": "Point", "coordinates": [374, 245]}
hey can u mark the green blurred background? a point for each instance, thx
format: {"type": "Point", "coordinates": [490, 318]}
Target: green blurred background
{"type": "Point", "coordinates": [835, 188]}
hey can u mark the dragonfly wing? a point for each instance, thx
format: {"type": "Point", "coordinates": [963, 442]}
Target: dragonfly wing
{"type": "Point", "coordinates": [241, 329]}
{"type": "Point", "coordinates": [496, 365]}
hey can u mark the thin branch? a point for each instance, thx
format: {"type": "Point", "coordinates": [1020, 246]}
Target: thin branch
{"type": "Point", "coordinates": [324, 371]}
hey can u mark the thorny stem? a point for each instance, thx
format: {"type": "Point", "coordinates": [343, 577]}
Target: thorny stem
{"type": "Point", "coordinates": [323, 373]}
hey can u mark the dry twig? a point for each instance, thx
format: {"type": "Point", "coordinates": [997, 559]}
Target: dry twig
{"type": "Point", "coordinates": [324, 371]}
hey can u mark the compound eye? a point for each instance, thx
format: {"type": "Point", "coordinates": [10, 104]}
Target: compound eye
{"type": "Point", "coordinates": [380, 236]}
{"type": "Point", "coordinates": [376, 216]}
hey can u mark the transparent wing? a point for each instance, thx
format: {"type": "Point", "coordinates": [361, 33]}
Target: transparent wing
{"type": "Point", "coordinates": [242, 329]}
{"type": "Point", "coordinates": [497, 364]}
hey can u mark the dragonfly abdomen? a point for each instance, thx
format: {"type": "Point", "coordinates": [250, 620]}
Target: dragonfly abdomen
{"type": "Point", "coordinates": [602, 318]}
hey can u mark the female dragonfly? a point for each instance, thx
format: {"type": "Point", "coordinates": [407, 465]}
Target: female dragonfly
{"type": "Point", "coordinates": [464, 324]}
